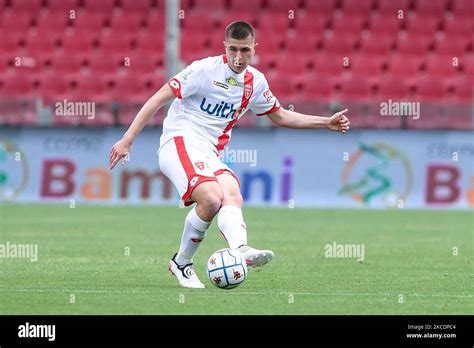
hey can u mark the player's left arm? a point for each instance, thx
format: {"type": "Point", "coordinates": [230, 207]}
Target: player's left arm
{"type": "Point", "coordinates": [338, 122]}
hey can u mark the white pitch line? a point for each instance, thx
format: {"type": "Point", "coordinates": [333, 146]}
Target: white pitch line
{"type": "Point", "coordinates": [200, 293]}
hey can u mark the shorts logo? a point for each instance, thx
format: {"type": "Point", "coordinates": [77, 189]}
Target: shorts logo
{"type": "Point", "coordinates": [194, 181]}
{"type": "Point", "coordinates": [248, 91]}
{"type": "Point", "coordinates": [199, 164]}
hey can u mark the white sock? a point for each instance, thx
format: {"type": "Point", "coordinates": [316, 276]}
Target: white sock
{"type": "Point", "coordinates": [231, 223]}
{"type": "Point", "coordinates": [193, 234]}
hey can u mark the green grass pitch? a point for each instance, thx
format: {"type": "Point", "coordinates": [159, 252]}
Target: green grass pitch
{"type": "Point", "coordinates": [416, 262]}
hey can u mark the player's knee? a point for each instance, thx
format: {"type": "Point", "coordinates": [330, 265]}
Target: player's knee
{"type": "Point", "coordinates": [212, 201]}
{"type": "Point", "coordinates": [233, 198]}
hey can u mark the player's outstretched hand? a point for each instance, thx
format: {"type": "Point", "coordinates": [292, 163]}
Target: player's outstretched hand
{"type": "Point", "coordinates": [339, 122]}
{"type": "Point", "coordinates": [120, 151]}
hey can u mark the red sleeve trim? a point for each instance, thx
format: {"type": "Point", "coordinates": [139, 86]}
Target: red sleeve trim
{"type": "Point", "coordinates": [274, 108]}
{"type": "Point", "coordinates": [176, 87]}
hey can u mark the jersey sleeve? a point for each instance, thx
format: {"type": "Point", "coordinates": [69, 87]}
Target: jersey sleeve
{"type": "Point", "coordinates": [189, 81]}
{"type": "Point", "coordinates": [265, 102]}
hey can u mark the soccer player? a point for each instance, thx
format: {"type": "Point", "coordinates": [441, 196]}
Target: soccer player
{"type": "Point", "coordinates": [209, 97]}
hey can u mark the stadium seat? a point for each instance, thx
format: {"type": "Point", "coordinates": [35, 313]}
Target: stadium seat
{"type": "Point", "coordinates": [193, 23]}
{"type": "Point", "coordinates": [53, 21]}
{"type": "Point", "coordinates": [156, 24]}
{"type": "Point", "coordinates": [247, 6]}
{"type": "Point", "coordinates": [111, 43]}
{"type": "Point", "coordinates": [430, 7]}
{"type": "Point", "coordinates": [377, 44]}
{"type": "Point", "coordinates": [30, 6]}
{"type": "Point", "coordinates": [273, 24]}
{"type": "Point", "coordinates": [362, 7]}
{"type": "Point", "coordinates": [463, 91]}
{"type": "Point", "coordinates": [405, 67]}
{"type": "Point", "coordinates": [302, 47]}
{"type": "Point", "coordinates": [104, 6]}
{"type": "Point", "coordinates": [393, 6]}
{"type": "Point", "coordinates": [365, 65]}
{"type": "Point", "coordinates": [393, 88]}
{"type": "Point", "coordinates": [292, 65]}
{"type": "Point", "coordinates": [39, 43]}
{"type": "Point", "coordinates": [314, 25]}
{"type": "Point", "coordinates": [316, 90]}
{"type": "Point", "coordinates": [104, 64]}
{"type": "Point", "coordinates": [405, 44]}
{"type": "Point", "coordinates": [126, 23]}
{"type": "Point", "coordinates": [17, 85]}
{"type": "Point", "coordinates": [139, 6]}
{"type": "Point", "coordinates": [348, 24]}
{"type": "Point", "coordinates": [209, 6]}
{"type": "Point", "coordinates": [430, 89]}
{"type": "Point", "coordinates": [231, 16]}
{"type": "Point", "coordinates": [283, 6]}
{"type": "Point", "coordinates": [147, 42]}
{"type": "Point", "coordinates": [458, 26]}
{"type": "Point", "coordinates": [61, 6]}
{"type": "Point", "coordinates": [340, 45]}
{"type": "Point", "coordinates": [321, 7]}
{"type": "Point", "coordinates": [419, 25]}
{"type": "Point", "coordinates": [54, 87]}
{"type": "Point", "coordinates": [463, 8]}
{"type": "Point", "coordinates": [354, 89]}
{"type": "Point", "coordinates": [66, 65]}
{"type": "Point", "coordinates": [9, 42]}
{"type": "Point", "coordinates": [384, 24]}
{"type": "Point", "coordinates": [89, 22]}
{"type": "Point", "coordinates": [78, 43]}
{"type": "Point", "coordinates": [441, 66]}
{"type": "Point", "coordinates": [17, 22]}
{"type": "Point", "coordinates": [328, 67]}
{"type": "Point", "coordinates": [454, 46]}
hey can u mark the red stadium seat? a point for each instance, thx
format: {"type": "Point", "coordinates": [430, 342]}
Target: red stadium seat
{"type": "Point", "coordinates": [377, 44]}
{"type": "Point", "coordinates": [112, 43]}
{"type": "Point", "coordinates": [156, 24]}
{"type": "Point", "coordinates": [246, 15]}
{"type": "Point", "coordinates": [365, 65]}
{"type": "Point", "coordinates": [281, 88]}
{"type": "Point", "coordinates": [124, 23]}
{"type": "Point", "coordinates": [318, 90]}
{"type": "Point", "coordinates": [463, 8]}
{"type": "Point", "coordinates": [384, 24]}
{"type": "Point", "coordinates": [53, 22]}
{"type": "Point", "coordinates": [430, 7]}
{"type": "Point", "coordinates": [79, 43]}
{"type": "Point", "coordinates": [454, 46]}
{"type": "Point", "coordinates": [393, 88]}
{"type": "Point", "coordinates": [329, 66]}
{"type": "Point", "coordinates": [54, 87]}
{"type": "Point", "coordinates": [341, 45]}
{"type": "Point", "coordinates": [406, 67]}
{"type": "Point", "coordinates": [292, 65]}
{"type": "Point", "coordinates": [247, 6]}
{"type": "Point", "coordinates": [193, 23]}
{"type": "Point", "coordinates": [62, 6]}
{"type": "Point", "coordinates": [393, 6]}
{"type": "Point", "coordinates": [305, 47]}
{"type": "Point", "coordinates": [283, 6]}
{"type": "Point", "coordinates": [141, 65]}
{"type": "Point", "coordinates": [39, 43]}
{"type": "Point", "coordinates": [362, 7]}
{"type": "Point", "coordinates": [458, 26]}
{"type": "Point", "coordinates": [209, 6]}
{"type": "Point", "coordinates": [147, 42]}
{"type": "Point", "coordinates": [89, 22]}
{"type": "Point", "coordinates": [91, 87]}
{"type": "Point", "coordinates": [103, 64]}
{"type": "Point", "coordinates": [324, 7]}
{"type": "Point", "coordinates": [274, 24]}
{"type": "Point", "coordinates": [31, 6]}
{"type": "Point", "coordinates": [66, 65]}
{"type": "Point", "coordinates": [104, 6]}
{"type": "Point", "coordinates": [441, 66]}
{"type": "Point", "coordinates": [17, 85]}
{"type": "Point", "coordinates": [17, 22]}
{"type": "Point", "coordinates": [140, 6]}
{"type": "Point", "coordinates": [310, 25]}
{"type": "Point", "coordinates": [422, 25]}
{"type": "Point", "coordinates": [130, 89]}
{"type": "Point", "coordinates": [348, 24]}
{"type": "Point", "coordinates": [9, 42]}
{"type": "Point", "coordinates": [416, 45]}
{"type": "Point", "coordinates": [354, 89]}
{"type": "Point", "coordinates": [430, 89]}
{"type": "Point", "coordinates": [463, 90]}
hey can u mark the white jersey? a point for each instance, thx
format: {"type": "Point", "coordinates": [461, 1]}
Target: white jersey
{"type": "Point", "coordinates": [211, 99]}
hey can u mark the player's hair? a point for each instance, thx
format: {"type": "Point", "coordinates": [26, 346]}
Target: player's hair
{"type": "Point", "coordinates": [239, 30]}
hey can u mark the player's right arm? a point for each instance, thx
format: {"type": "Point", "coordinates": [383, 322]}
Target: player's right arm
{"type": "Point", "coordinates": [121, 149]}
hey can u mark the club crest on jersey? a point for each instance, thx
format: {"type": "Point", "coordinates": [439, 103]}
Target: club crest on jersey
{"type": "Point", "coordinates": [248, 89]}
{"type": "Point", "coordinates": [199, 164]}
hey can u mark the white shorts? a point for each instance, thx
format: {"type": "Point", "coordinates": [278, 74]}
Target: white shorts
{"type": "Point", "coordinates": [187, 165]}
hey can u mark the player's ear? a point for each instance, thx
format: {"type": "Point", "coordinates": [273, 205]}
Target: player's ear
{"type": "Point", "coordinates": [255, 47]}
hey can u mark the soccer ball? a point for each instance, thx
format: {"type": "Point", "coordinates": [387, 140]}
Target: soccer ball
{"type": "Point", "coordinates": [226, 268]}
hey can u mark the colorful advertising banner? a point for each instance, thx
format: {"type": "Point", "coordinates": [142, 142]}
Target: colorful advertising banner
{"type": "Point", "coordinates": [276, 167]}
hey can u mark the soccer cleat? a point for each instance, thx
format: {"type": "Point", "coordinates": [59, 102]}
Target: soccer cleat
{"type": "Point", "coordinates": [185, 274]}
{"type": "Point", "coordinates": [254, 257]}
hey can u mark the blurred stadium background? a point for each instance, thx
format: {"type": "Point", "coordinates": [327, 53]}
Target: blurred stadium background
{"type": "Point", "coordinates": [319, 56]}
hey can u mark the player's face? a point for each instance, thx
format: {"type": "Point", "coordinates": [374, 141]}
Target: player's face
{"type": "Point", "coordinates": [239, 53]}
